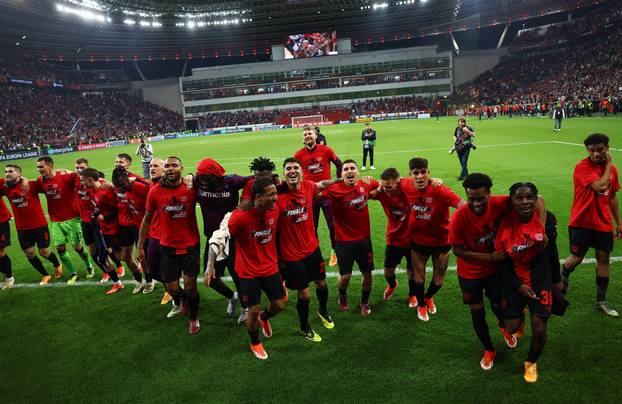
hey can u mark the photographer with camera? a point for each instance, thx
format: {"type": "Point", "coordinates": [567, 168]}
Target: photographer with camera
{"type": "Point", "coordinates": [369, 141]}
{"type": "Point", "coordinates": [463, 143]}
{"type": "Point", "coordinates": [145, 151]}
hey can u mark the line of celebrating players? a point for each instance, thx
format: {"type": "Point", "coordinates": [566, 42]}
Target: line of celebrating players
{"type": "Point", "coordinates": [505, 245]}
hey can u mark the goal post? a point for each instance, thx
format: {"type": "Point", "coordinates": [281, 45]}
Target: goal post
{"type": "Point", "coordinates": [311, 120]}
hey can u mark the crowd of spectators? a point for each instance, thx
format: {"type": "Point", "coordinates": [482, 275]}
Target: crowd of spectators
{"type": "Point", "coordinates": [390, 105]}
{"type": "Point", "coordinates": [37, 118]}
{"type": "Point", "coordinates": [31, 118]}
{"type": "Point", "coordinates": [586, 71]}
{"type": "Point", "coordinates": [560, 33]}
{"type": "Point", "coordinates": [316, 84]}
{"type": "Point", "coordinates": [238, 118]}
{"type": "Point", "coordinates": [367, 107]}
{"type": "Point", "coordinates": [24, 68]}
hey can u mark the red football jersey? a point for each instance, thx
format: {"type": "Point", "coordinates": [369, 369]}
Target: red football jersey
{"type": "Point", "coordinates": [297, 238]}
{"type": "Point", "coordinates": [4, 211]}
{"type": "Point", "coordinates": [85, 200]}
{"type": "Point", "coordinates": [137, 177]}
{"type": "Point", "coordinates": [106, 201]}
{"type": "Point", "coordinates": [247, 194]}
{"type": "Point", "coordinates": [590, 209]}
{"type": "Point", "coordinates": [125, 216]}
{"type": "Point", "coordinates": [60, 192]}
{"type": "Point", "coordinates": [26, 206]}
{"type": "Point", "coordinates": [177, 213]}
{"type": "Point", "coordinates": [350, 210]}
{"type": "Point", "coordinates": [397, 210]}
{"type": "Point", "coordinates": [316, 162]}
{"type": "Point", "coordinates": [521, 241]}
{"type": "Point", "coordinates": [136, 200]}
{"type": "Point", "coordinates": [154, 230]}
{"type": "Point", "coordinates": [429, 216]}
{"type": "Point", "coordinates": [477, 233]}
{"type": "Point", "coordinates": [255, 244]}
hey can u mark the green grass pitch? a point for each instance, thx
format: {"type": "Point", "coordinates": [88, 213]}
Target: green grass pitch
{"type": "Point", "coordinates": [74, 344]}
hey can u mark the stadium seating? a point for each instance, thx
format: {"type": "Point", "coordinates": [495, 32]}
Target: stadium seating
{"type": "Point", "coordinates": [588, 68]}
{"type": "Point", "coordinates": [570, 31]}
{"type": "Point", "coordinates": [23, 68]}
{"type": "Point", "coordinates": [32, 118]}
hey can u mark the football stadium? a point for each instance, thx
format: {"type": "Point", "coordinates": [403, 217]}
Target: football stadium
{"type": "Point", "coordinates": [310, 201]}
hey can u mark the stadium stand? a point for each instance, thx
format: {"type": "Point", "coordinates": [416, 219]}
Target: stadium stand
{"type": "Point", "coordinates": [24, 68]}
{"type": "Point", "coordinates": [582, 70]}
{"type": "Point", "coordinates": [31, 118]}
{"type": "Point", "coordinates": [351, 81]}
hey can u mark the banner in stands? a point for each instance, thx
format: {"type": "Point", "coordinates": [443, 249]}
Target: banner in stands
{"type": "Point", "coordinates": [303, 124]}
{"type": "Point", "coordinates": [92, 146]}
{"type": "Point", "coordinates": [218, 131]}
{"type": "Point", "coordinates": [22, 81]}
{"type": "Point", "coordinates": [391, 116]}
{"type": "Point", "coordinates": [152, 139]}
{"type": "Point", "coordinates": [19, 154]}
{"type": "Point", "coordinates": [170, 136]}
{"type": "Point", "coordinates": [68, 86]}
{"type": "Point", "coordinates": [60, 150]}
{"type": "Point", "coordinates": [104, 87]}
{"type": "Point", "coordinates": [117, 143]}
{"type": "Point", "coordinates": [187, 134]}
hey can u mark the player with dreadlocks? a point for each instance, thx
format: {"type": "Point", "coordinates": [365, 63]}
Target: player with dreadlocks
{"type": "Point", "coordinates": [260, 167]}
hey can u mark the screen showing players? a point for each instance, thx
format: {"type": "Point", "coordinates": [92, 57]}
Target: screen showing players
{"type": "Point", "coordinates": [310, 45]}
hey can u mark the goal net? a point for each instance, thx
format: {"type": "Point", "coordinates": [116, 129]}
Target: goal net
{"type": "Point", "coordinates": [311, 120]}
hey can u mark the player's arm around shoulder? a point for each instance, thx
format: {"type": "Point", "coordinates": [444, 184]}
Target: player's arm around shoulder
{"type": "Point", "coordinates": [452, 199]}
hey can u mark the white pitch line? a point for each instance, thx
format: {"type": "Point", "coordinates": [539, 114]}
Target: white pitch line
{"type": "Point", "coordinates": [379, 271]}
{"type": "Point", "coordinates": [578, 144]}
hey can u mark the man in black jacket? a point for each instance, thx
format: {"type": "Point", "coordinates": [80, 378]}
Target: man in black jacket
{"type": "Point", "coordinates": [368, 136]}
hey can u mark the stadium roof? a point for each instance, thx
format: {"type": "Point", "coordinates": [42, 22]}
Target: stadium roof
{"type": "Point", "coordinates": [145, 29]}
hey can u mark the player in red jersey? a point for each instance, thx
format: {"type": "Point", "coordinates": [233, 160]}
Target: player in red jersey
{"type": "Point", "coordinates": [429, 229]}
{"type": "Point", "coordinates": [125, 160]}
{"type": "Point", "coordinates": [152, 257]}
{"type": "Point", "coordinates": [105, 217]}
{"type": "Point", "coordinates": [529, 277]}
{"type": "Point", "coordinates": [472, 233]}
{"type": "Point", "coordinates": [595, 204]}
{"type": "Point", "coordinates": [87, 206]}
{"type": "Point", "coordinates": [64, 212]}
{"type": "Point", "coordinates": [32, 228]}
{"type": "Point", "coordinates": [260, 167]}
{"type": "Point", "coordinates": [179, 237]}
{"type": "Point", "coordinates": [134, 195]}
{"type": "Point", "coordinates": [352, 232]}
{"type": "Point", "coordinates": [315, 159]}
{"type": "Point", "coordinates": [299, 246]}
{"type": "Point", "coordinates": [128, 231]}
{"type": "Point", "coordinates": [256, 260]}
{"type": "Point", "coordinates": [397, 210]}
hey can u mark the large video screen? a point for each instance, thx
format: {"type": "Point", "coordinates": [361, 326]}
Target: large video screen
{"type": "Point", "coordinates": [311, 45]}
